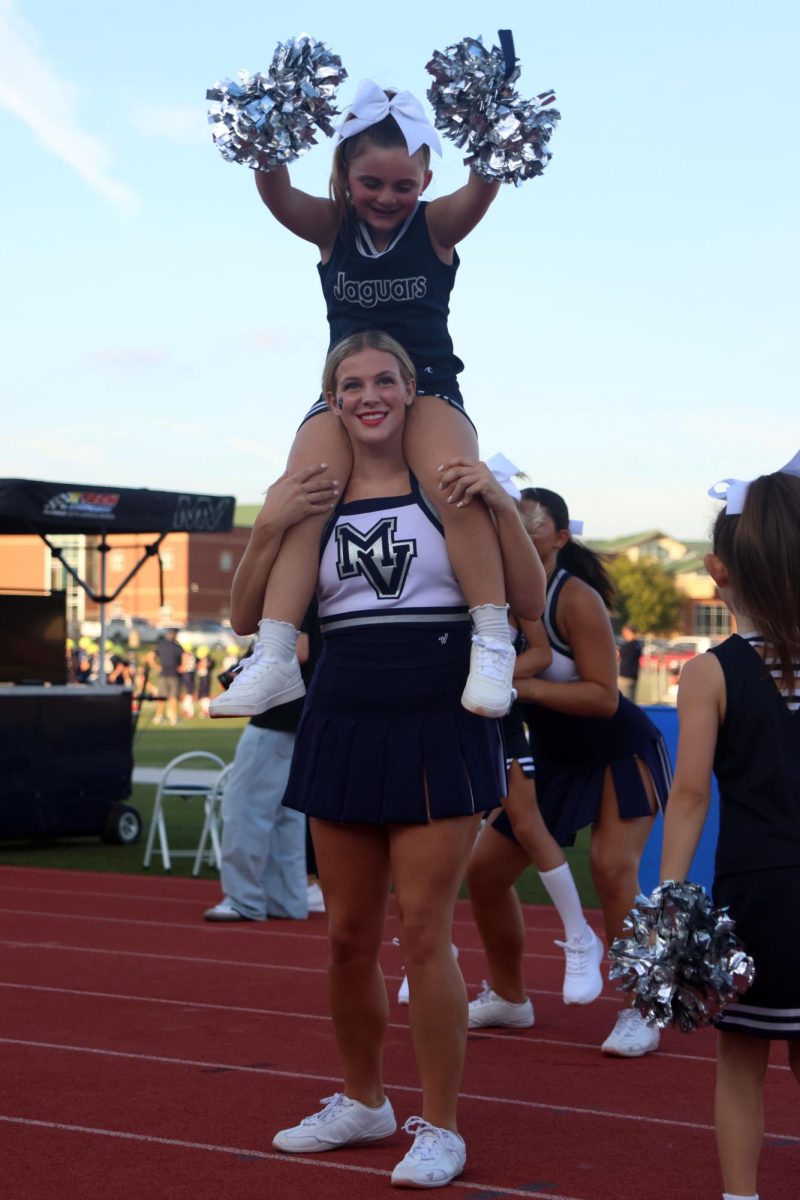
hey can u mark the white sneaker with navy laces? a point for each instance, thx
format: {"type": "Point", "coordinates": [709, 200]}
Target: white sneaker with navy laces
{"type": "Point", "coordinates": [342, 1122]}
{"type": "Point", "coordinates": [437, 1157]}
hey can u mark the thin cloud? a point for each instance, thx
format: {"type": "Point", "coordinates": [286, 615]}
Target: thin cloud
{"type": "Point", "coordinates": [32, 91]}
{"type": "Point", "coordinates": [31, 448]}
{"type": "Point", "coordinates": [263, 452]}
{"type": "Point", "coordinates": [130, 356]}
{"type": "Point", "coordinates": [182, 124]}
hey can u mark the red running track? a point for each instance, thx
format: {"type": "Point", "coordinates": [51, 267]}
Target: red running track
{"type": "Point", "coordinates": [147, 1052]}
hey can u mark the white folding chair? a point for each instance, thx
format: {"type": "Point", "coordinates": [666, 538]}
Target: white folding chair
{"type": "Point", "coordinates": [211, 825]}
{"type": "Point", "coordinates": [175, 782]}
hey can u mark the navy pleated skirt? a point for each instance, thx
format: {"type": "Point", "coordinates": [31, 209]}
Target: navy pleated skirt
{"type": "Point", "coordinates": [764, 905]}
{"type": "Point", "coordinates": [571, 757]}
{"type": "Point", "coordinates": [383, 736]}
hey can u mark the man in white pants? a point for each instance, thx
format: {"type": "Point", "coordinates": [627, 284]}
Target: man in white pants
{"type": "Point", "coordinates": [263, 871]}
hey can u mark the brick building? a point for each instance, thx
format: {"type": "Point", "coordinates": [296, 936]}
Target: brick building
{"type": "Point", "coordinates": [196, 568]}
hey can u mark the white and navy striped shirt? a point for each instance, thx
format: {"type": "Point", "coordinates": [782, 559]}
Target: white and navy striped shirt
{"type": "Point", "coordinates": [385, 562]}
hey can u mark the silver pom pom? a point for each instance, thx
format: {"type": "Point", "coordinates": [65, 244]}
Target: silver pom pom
{"type": "Point", "coordinates": [476, 105]}
{"type": "Point", "coordinates": [268, 120]}
{"type": "Point", "coordinates": [682, 962]}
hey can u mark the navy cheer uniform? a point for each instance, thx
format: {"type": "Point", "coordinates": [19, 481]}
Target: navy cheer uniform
{"type": "Point", "coordinates": [757, 868]}
{"type": "Point", "coordinates": [403, 290]}
{"type": "Point", "coordinates": [383, 736]}
{"type": "Point", "coordinates": [517, 745]}
{"type": "Point", "coordinates": [572, 753]}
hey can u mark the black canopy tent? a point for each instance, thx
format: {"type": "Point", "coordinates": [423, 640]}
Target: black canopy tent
{"type": "Point", "coordinates": [30, 506]}
{"type": "Point", "coordinates": [66, 753]}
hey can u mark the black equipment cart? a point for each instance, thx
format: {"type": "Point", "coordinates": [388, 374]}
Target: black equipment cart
{"type": "Point", "coordinates": [66, 753]}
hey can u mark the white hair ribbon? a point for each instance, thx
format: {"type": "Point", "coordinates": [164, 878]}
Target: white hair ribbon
{"type": "Point", "coordinates": [575, 527]}
{"type": "Point", "coordinates": [504, 471]}
{"type": "Point", "coordinates": [734, 491]}
{"type": "Point", "coordinates": [372, 104]}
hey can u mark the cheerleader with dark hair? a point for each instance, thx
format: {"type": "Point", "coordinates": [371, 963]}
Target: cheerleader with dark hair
{"type": "Point", "coordinates": [599, 762]}
{"type": "Point", "coordinates": [739, 707]}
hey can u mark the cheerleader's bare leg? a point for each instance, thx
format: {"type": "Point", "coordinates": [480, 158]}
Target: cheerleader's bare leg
{"type": "Point", "coordinates": [435, 433]}
{"type": "Point", "coordinates": [428, 863]}
{"type": "Point", "coordinates": [494, 867]}
{"type": "Point", "coordinates": [739, 1108]}
{"type": "Point", "coordinates": [353, 862]}
{"type": "Point", "coordinates": [794, 1059]}
{"type": "Point", "coordinates": [615, 854]}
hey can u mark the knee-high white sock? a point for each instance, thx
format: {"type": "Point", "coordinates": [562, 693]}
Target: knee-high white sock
{"type": "Point", "coordinates": [491, 621]}
{"type": "Point", "coordinates": [278, 638]}
{"type": "Point", "coordinates": [560, 887]}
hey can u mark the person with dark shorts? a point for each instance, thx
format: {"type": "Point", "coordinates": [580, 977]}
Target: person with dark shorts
{"type": "Point", "coordinates": [168, 655]}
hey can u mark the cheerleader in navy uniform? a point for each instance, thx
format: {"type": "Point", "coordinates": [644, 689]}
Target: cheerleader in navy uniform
{"type": "Point", "coordinates": [739, 708]}
{"type": "Point", "coordinates": [388, 261]}
{"type": "Point", "coordinates": [599, 762]}
{"type": "Point", "coordinates": [393, 772]}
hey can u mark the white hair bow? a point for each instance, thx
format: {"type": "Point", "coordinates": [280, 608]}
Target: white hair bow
{"type": "Point", "coordinates": [504, 471]}
{"type": "Point", "coordinates": [734, 491]}
{"type": "Point", "coordinates": [372, 105]}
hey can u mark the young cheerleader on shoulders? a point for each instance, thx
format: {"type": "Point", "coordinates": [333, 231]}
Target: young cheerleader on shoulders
{"type": "Point", "coordinates": [388, 261]}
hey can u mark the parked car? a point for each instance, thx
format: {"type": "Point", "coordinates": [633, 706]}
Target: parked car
{"type": "Point", "coordinates": [680, 650]}
{"type": "Point", "coordinates": [119, 629]}
{"type": "Point", "coordinates": [653, 649]}
{"type": "Point", "coordinates": [214, 634]}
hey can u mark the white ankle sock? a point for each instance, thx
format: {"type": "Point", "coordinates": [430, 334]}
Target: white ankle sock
{"type": "Point", "coordinates": [560, 887]}
{"type": "Point", "coordinates": [278, 638]}
{"type": "Point", "coordinates": [736, 1196]}
{"type": "Point", "coordinates": [491, 621]}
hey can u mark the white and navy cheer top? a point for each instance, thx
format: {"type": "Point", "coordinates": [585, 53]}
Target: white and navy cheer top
{"type": "Point", "coordinates": [384, 736]}
{"type": "Point", "coordinates": [383, 564]}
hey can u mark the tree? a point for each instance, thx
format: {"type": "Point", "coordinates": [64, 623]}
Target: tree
{"type": "Point", "coordinates": [648, 597]}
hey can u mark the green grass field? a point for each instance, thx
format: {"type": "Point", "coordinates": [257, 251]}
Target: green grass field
{"type": "Point", "coordinates": [154, 746]}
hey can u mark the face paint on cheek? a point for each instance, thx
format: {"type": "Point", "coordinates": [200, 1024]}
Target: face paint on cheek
{"type": "Point", "coordinates": [340, 402]}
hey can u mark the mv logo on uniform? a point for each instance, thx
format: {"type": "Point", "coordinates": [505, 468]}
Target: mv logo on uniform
{"type": "Point", "coordinates": [378, 555]}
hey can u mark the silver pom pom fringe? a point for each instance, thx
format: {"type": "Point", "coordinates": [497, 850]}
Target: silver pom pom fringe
{"type": "Point", "coordinates": [682, 962]}
{"type": "Point", "coordinates": [476, 105]}
{"type": "Point", "coordinates": [269, 120]}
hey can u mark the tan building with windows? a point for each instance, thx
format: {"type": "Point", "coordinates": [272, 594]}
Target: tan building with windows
{"type": "Point", "coordinates": [704, 614]}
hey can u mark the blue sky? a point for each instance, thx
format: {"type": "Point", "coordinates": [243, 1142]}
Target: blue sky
{"type": "Point", "coordinates": [629, 321]}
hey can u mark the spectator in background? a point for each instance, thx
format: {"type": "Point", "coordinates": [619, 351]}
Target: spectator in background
{"type": "Point", "coordinates": [118, 671]}
{"type": "Point", "coordinates": [203, 671]}
{"type": "Point", "coordinates": [629, 654]}
{"type": "Point", "coordinates": [82, 663]}
{"type": "Point", "coordinates": [187, 671]}
{"type": "Point", "coordinates": [263, 869]}
{"type": "Point", "coordinates": [167, 656]}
